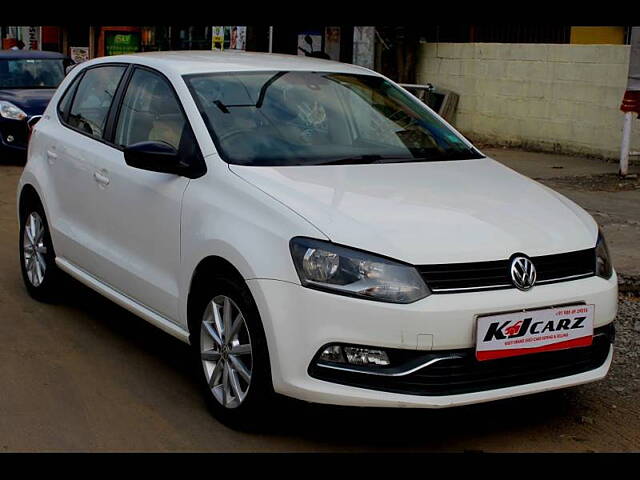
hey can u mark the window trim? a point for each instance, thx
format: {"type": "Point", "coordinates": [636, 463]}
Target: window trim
{"type": "Point", "coordinates": [119, 98]}
{"type": "Point", "coordinates": [71, 90]}
{"type": "Point", "coordinates": [76, 83]}
{"type": "Point", "coordinates": [199, 166]}
{"type": "Point", "coordinates": [114, 110]}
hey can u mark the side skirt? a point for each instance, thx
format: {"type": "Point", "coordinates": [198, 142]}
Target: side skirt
{"type": "Point", "coordinates": [123, 300]}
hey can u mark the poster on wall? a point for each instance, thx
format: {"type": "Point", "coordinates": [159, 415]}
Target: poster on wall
{"type": "Point", "coordinates": [229, 38]}
{"type": "Point", "coordinates": [122, 43]}
{"type": "Point", "coordinates": [235, 38]}
{"type": "Point", "coordinates": [217, 38]}
{"type": "Point", "coordinates": [31, 37]}
{"type": "Point", "coordinates": [332, 42]}
{"type": "Point", "coordinates": [79, 54]}
{"type": "Point", "coordinates": [364, 46]}
{"type": "Point", "coordinates": [303, 42]}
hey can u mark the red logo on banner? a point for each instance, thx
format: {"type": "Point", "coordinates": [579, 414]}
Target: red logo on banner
{"type": "Point", "coordinates": [513, 329]}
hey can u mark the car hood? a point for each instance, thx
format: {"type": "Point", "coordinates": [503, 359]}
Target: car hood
{"type": "Point", "coordinates": [31, 101]}
{"type": "Point", "coordinates": [430, 212]}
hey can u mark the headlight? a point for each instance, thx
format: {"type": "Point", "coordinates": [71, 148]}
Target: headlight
{"type": "Point", "coordinates": [604, 268]}
{"type": "Point", "coordinates": [10, 111]}
{"type": "Point", "coordinates": [325, 266]}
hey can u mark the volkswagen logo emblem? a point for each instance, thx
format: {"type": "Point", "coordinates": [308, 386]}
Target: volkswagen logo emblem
{"type": "Point", "coordinates": [523, 273]}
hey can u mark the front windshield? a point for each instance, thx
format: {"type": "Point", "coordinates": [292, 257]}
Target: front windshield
{"type": "Point", "coordinates": [308, 118]}
{"type": "Point", "coordinates": [31, 73]}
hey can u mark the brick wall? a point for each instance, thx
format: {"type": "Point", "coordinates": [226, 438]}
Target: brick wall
{"type": "Point", "coordinates": [550, 97]}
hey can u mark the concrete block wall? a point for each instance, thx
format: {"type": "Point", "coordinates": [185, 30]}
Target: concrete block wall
{"type": "Point", "coordinates": [550, 97]}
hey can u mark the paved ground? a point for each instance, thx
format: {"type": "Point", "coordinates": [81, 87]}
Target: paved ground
{"type": "Point", "coordinates": [85, 375]}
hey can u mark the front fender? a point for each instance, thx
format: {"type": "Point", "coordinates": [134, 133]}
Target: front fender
{"type": "Point", "coordinates": [225, 216]}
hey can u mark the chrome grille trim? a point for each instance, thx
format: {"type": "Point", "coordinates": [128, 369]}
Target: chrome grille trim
{"type": "Point", "coordinates": [495, 275]}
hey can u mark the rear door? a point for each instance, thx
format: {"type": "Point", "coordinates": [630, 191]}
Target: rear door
{"type": "Point", "coordinates": [73, 150]}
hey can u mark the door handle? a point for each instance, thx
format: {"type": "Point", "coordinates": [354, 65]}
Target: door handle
{"type": "Point", "coordinates": [51, 156]}
{"type": "Point", "coordinates": [101, 178]}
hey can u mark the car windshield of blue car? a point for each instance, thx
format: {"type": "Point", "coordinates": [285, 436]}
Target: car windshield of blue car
{"type": "Point", "coordinates": [317, 118]}
{"type": "Point", "coordinates": [31, 73]}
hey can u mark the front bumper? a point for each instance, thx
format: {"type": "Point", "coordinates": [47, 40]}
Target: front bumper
{"type": "Point", "coordinates": [298, 321]}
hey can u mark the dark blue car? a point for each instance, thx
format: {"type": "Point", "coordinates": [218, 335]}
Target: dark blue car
{"type": "Point", "coordinates": [28, 80]}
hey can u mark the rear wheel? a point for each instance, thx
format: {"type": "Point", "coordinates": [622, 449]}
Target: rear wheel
{"type": "Point", "coordinates": [37, 257]}
{"type": "Point", "coordinates": [231, 356]}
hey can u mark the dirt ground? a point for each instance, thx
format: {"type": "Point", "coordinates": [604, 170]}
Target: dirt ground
{"type": "Point", "coordinates": [85, 375]}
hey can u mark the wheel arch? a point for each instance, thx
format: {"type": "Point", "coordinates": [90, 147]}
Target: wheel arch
{"type": "Point", "coordinates": [28, 193]}
{"type": "Point", "coordinates": [206, 268]}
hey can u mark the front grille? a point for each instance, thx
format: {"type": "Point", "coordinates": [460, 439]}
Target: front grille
{"type": "Point", "coordinates": [464, 375]}
{"type": "Point", "coordinates": [493, 275]}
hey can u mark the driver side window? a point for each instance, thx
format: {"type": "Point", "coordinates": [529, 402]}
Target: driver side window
{"type": "Point", "coordinates": [150, 112]}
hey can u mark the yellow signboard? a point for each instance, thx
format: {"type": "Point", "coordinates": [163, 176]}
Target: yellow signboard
{"type": "Point", "coordinates": [217, 38]}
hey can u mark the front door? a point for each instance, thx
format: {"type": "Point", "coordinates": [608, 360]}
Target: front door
{"type": "Point", "coordinates": [138, 211]}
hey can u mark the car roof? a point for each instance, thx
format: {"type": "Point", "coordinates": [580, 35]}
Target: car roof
{"type": "Point", "coordinates": [185, 62]}
{"type": "Point", "coordinates": [30, 54]}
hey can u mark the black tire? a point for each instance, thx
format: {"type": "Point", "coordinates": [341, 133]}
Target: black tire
{"type": "Point", "coordinates": [47, 290]}
{"type": "Point", "coordinates": [255, 412]}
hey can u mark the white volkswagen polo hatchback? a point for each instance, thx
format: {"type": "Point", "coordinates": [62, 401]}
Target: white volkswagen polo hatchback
{"type": "Point", "coordinates": [312, 230]}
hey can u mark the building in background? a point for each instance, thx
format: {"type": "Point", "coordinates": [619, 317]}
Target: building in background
{"type": "Point", "coordinates": [528, 33]}
{"type": "Point", "coordinates": [391, 50]}
{"type": "Point", "coordinates": [83, 41]}
{"type": "Point", "coordinates": [547, 88]}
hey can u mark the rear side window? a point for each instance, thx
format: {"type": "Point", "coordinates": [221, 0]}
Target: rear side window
{"type": "Point", "coordinates": [93, 99]}
{"type": "Point", "coordinates": [150, 112]}
{"type": "Point", "coordinates": [65, 103]}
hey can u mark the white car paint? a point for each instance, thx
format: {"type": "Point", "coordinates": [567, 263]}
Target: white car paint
{"type": "Point", "coordinates": [392, 209]}
{"type": "Point", "coordinates": [139, 239]}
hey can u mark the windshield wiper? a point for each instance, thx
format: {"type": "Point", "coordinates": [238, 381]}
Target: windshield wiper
{"type": "Point", "coordinates": [365, 159]}
{"type": "Point", "coordinates": [263, 91]}
{"type": "Point", "coordinates": [375, 158]}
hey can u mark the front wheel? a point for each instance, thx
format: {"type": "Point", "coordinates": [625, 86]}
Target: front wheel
{"type": "Point", "coordinates": [232, 357]}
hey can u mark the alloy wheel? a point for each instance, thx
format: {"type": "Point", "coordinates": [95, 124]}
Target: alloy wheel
{"type": "Point", "coordinates": [34, 249]}
{"type": "Point", "coordinates": [225, 351]}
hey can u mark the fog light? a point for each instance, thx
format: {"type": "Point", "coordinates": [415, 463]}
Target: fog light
{"type": "Point", "coordinates": [10, 138]}
{"type": "Point", "coordinates": [332, 353]}
{"type": "Point", "coordinates": [366, 356]}
{"type": "Point", "coordinates": [355, 356]}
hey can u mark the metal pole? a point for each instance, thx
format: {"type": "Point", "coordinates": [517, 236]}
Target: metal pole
{"type": "Point", "coordinates": [624, 149]}
{"type": "Point", "coordinates": [270, 39]}
{"type": "Point", "coordinates": [92, 42]}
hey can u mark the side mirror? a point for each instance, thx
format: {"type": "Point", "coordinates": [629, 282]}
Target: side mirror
{"type": "Point", "coordinates": [154, 157]}
{"type": "Point", "coordinates": [32, 121]}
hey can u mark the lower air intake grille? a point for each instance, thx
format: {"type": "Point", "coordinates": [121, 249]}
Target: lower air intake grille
{"type": "Point", "coordinates": [464, 374]}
